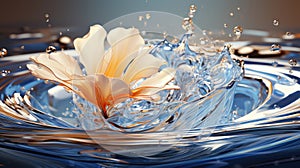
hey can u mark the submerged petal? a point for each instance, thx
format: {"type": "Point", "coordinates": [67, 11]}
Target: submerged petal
{"type": "Point", "coordinates": [154, 84]}
{"type": "Point", "coordinates": [124, 43]}
{"type": "Point", "coordinates": [160, 79]}
{"type": "Point", "coordinates": [91, 48]}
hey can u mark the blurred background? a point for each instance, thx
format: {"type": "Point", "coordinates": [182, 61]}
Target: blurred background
{"type": "Point", "coordinates": [47, 21]}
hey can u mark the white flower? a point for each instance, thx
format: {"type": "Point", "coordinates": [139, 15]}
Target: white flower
{"type": "Point", "coordinates": [110, 72]}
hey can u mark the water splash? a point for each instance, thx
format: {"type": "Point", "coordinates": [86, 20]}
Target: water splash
{"type": "Point", "coordinates": [46, 133]}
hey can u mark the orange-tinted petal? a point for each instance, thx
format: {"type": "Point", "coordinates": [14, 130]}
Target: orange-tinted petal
{"type": "Point", "coordinates": [141, 67]}
{"type": "Point", "coordinates": [124, 43]}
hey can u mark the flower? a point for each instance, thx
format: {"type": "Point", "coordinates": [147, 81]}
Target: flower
{"type": "Point", "coordinates": [110, 73]}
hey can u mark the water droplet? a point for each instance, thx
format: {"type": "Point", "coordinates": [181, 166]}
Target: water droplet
{"type": "Point", "coordinates": [3, 73]}
{"type": "Point", "coordinates": [64, 40]}
{"type": "Point", "coordinates": [143, 33]}
{"type": "Point", "coordinates": [191, 15]}
{"type": "Point", "coordinates": [141, 18]}
{"type": "Point", "coordinates": [60, 33]}
{"type": "Point", "coordinates": [145, 23]}
{"type": "Point", "coordinates": [50, 49]}
{"type": "Point", "coordinates": [187, 24]}
{"type": "Point", "coordinates": [275, 106]}
{"type": "Point", "coordinates": [47, 15]}
{"type": "Point", "coordinates": [276, 22]}
{"type": "Point", "coordinates": [193, 8]}
{"type": "Point", "coordinates": [47, 20]}
{"type": "Point", "coordinates": [231, 14]}
{"type": "Point", "coordinates": [225, 25]}
{"type": "Point", "coordinates": [20, 67]}
{"type": "Point", "coordinates": [3, 52]}
{"type": "Point", "coordinates": [293, 62]}
{"type": "Point", "coordinates": [274, 63]}
{"type": "Point", "coordinates": [238, 30]}
{"type": "Point", "coordinates": [148, 16]}
{"type": "Point", "coordinates": [275, 47]}
{"type": "Point", "coordinates": [68, 30]}
{"type": "Point", "coordinates": [22, 47]}
{"type": "Point", "coordinates": [234, 112]}
{"type": "Point", "coordinates": [238, 8]}
{"type": "Point", "coordinates": [165, 35]}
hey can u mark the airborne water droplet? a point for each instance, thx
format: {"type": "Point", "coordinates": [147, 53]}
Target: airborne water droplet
{"type": "Point", "coordinates": [238, 8]}
{"type": "Point", "coordinates": [293, 62]}
{"type": "Point", "coordinates": [238, 30]}
{"type": "Point", "coordinates": [225, 25]}
{"type": "Point", "coordinates": [187, 24]}
{"type": "Point", "coordinates": [4, 73]}
{"type": "Point", "coordinates": [193, 8]}
{"type": "Point", "coordinates": [191, 14]}
{"type": "Point", "coordinates": [141, 18]}
{"type": "Point", "coordinates": [276, 22]}
{"type": "Point", "coordinates": [165, 35]}
{"type": "Point", "coordinates": [231, 14]}
{"type": "Point", "coordinates": [3, 52]}
{"type": "Point", "coordinates": [275, 47]}
{"type": "Point", "coordinates": [50, 49]}
{"type": "Point", "coordinates": [47, 15]}
{"type": "Point", "coordinates": [148, 16]}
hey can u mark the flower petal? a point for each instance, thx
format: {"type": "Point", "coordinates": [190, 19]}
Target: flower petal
{"type": "Point", "coordinates": [124, 43]}
{"type": "Point", "coordinates": [141, 67]}
{"type": "Point", "coordinates": [63, 67]}
{"type": "Point", "coordinates": [42, 72]}
{"type": "Point", "coordinates": [85, 88]}
{"type": "Point", "coordinates": [110, 91]}
{"type": "Point", "coordinates": [160, 79]}
{"type": "Point", "coordinates": [154, 84]}
{"type": "Point", "coordinates": [91, 48]}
